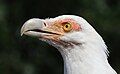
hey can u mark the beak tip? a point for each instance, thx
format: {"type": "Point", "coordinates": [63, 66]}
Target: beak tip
{"type": "Point", "coordinates": [21, 34]}
{"type": "Point", "coordinates": [34, 23]}
{"type": "Point", "coordinates": [22, 31]}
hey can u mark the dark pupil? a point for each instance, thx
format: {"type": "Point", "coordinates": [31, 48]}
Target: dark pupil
{"type": "Point", "coordinates": [66, 26]}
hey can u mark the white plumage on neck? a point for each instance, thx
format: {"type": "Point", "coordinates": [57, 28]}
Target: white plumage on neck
{"type": "Point", "coordinates": [83, 50]}
{"type": "Point", "coordinates": [90, 57]}
{"type": "Point", "coordinates": [86, 59]}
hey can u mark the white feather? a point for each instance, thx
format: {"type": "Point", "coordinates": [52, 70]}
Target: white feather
{"type": "Point", "coordinates": [88, 58]}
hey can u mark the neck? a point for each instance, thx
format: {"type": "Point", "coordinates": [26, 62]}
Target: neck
{"type": "Point", "coordinates": [86, 60]}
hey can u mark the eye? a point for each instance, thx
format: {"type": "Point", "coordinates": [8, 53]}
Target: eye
{"type": "Point", "coordinates": [67, 27]}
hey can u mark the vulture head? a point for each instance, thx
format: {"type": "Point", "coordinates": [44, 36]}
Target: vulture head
{"type": "Point", "coordinates": [82, 48]}
{"type": "Point", "coordinates": [62, 31]}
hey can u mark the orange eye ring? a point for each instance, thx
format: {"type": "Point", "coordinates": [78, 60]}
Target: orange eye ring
{"type": "Point", "coordinates": [67, 27]}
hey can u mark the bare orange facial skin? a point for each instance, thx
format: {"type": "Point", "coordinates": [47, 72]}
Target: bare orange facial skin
{"type": "Point", "coordinates": [59, 27]}
{"type": "Point", "coordinates": [75, 26]}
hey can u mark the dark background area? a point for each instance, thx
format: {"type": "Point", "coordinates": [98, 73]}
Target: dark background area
{"type": "Point", "coordinates": [26, 55]}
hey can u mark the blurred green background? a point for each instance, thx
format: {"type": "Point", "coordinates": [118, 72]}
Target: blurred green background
{"type": "Point", "coordinates": [26, 55]}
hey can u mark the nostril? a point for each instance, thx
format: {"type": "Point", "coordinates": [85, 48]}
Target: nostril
{"type": "Point", "coordinates": [45, 24]}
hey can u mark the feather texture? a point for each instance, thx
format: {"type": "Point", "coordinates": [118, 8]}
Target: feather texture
{"type": "Point", "coordinates": [83, 49]}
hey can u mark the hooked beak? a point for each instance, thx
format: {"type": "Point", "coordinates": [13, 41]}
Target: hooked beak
{"type": "Point", "coordinates": [37, 28]}
{"type": "Point", "coordinates": [48, 32]}
{"type": "Point", "coordinates": [30, 26]}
